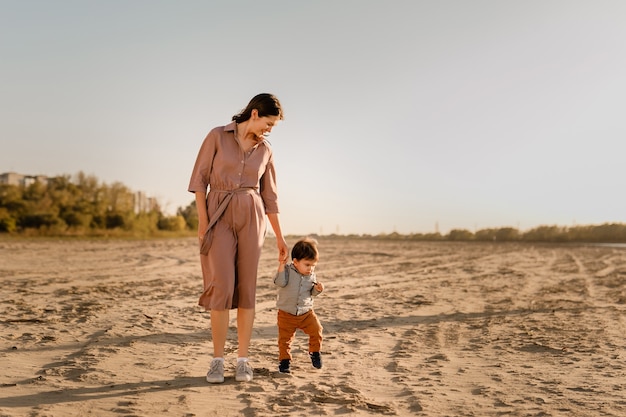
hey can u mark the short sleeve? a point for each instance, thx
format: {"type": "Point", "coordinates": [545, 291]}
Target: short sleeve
{"type": "Point", "coordinates": [204, 163]}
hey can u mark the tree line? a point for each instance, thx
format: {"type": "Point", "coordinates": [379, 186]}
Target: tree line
{"type": "Point", "coordinates": [82, 205]}
{"type": "Point", "coordinates": [604, 233]}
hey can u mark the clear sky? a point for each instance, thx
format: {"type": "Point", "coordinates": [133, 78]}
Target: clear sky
{"type": "Point", "coordinates": [402, 116]}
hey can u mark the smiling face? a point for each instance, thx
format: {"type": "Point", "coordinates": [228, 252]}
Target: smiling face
{"type": "Point", "coordinates": [262, 126]}
{"type": "Point", "coordinates": [305, 266]}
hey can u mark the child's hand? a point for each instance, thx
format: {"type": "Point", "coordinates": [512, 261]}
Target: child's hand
{"type": "Point", "coordinates": [319, 287]}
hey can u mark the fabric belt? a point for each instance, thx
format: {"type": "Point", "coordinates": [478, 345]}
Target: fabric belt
{"type": "Point", "coordinates": [222, 206]}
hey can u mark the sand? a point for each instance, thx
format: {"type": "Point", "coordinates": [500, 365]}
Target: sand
{"type": "Point", "coordinates": [111, 328]}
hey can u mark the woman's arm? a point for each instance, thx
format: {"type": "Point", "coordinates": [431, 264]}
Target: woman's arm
{"type": "Point", "coordinates": [203, 214]}
{"type": "Point", "coordinates": [283, 250]}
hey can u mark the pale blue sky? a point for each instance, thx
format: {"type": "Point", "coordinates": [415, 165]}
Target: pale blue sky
{"type": "Point", "coordinates": [399, 115]}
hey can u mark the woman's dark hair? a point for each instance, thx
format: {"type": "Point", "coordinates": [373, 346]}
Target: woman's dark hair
{"type": "Point", "coordinates": [266, 104]}
{"type": "Point", "coordinates": [305, 249]}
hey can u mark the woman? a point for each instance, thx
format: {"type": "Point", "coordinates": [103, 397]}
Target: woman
{"type": "Point", "coordinates": [235, 163]}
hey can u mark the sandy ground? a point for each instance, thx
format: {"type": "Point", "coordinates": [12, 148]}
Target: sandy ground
{"type": "Point", "coordinates": [111, 328]}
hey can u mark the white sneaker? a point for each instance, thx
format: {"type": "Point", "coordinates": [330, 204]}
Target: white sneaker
{"type": "Point", "coordinates": [243, 372]}
{"type": "Point", "coordinates": [216, 372]}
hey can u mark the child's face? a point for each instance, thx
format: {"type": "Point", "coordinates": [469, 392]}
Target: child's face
{"type": "Point", "coordinates": [305, 266]}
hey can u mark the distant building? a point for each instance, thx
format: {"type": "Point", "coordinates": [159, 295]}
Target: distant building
{"type": "Point", "coordinates": [12, 178]}
{"type": "Point", "coordinates": [143, 203]}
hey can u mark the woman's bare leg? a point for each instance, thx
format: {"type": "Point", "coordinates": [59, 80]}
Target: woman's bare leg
{"type": "Point", "coordinates": [219, 331]}
{"type": "Point", "coordinates": [245, 320]}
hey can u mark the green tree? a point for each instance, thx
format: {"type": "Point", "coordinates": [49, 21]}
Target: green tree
{"type": "Point", "coordinates": [7, 222]}
{"type": "Point", "coordinates": [486, 235]}
{"type": "Point", "coordinates": [190, 214]}
{"type": "Point", "coordinates": [172, 223]}
{"type": "Point", "coordinates": [507, 234]}
{"type": "Point", "coordinates": [460, 235]}
{"type": "Point", "coordinates": [12, 206]}
{"type": "Point", "coordinates": [546, 234]}
{"type": "Point", "coordinates": [146, 222]}
{"type": "Point", "coordinates": [608, 232]}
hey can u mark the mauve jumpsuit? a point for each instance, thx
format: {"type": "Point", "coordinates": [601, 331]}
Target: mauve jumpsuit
{"type": "Point", "coordinates": [229, 269]}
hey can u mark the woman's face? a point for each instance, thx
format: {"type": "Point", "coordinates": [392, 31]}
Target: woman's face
{"type": "Point", "coordinates": [262, 126]}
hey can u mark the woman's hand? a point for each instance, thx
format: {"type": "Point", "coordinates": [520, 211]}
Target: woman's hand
{"type": "Point", "coordinates": [283, 251]}
{"type": "Point", "coordinates": [202, 230]}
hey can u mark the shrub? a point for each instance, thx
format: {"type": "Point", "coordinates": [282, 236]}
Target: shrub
{"type": "Point", "coordinates": [172, 223]}
{"type": "Point", "coordinates": [460, 235]}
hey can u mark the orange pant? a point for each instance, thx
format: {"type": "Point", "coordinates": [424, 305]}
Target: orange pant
{"type": "Point", "coordinates": [287, 326]}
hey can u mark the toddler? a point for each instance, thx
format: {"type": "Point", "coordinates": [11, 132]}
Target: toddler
{"type": "Point", "coordinates": [297, 286]}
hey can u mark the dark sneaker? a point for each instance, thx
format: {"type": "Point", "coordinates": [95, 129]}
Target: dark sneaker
{"type": "Point", "coordinates": [316, 359]}
{"type": "Point", "coordinates": [284, 366]}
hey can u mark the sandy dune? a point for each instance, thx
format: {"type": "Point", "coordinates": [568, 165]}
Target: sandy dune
{"type": "Point", "coordinates": [111, 328]}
